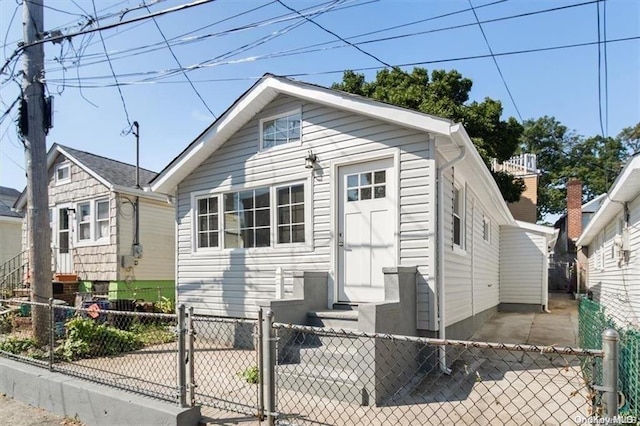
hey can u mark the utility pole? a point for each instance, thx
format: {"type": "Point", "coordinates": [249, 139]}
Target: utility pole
{"type": "Point", "coordinates": [37, 174]}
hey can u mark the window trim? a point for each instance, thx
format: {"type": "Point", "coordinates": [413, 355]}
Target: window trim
{"type": "Point", "coordinates": [93, 223]}
{"type": "Point", "coordinates": [274, 247]}
{"type": "Point", "coordinates": [486, 229]}
{"type": "Point", "coordinates": [62, 165]}
{"type": "Point", "coordinates": [196, 226]}
{"type": "Point", "coordinates": [460, 187]}
{"type": "Point", "coordinates": [294, 111]}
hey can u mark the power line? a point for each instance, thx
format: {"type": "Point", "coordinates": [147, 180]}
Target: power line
{"type": "Point", "coordinates": [606, 72]}
{"type": "Point", "coordinates": [180, 65]}
{"type": "Point", "coordinates": [360, 69]}
{"type": "Point", "coordinates": [310, 49]}
{"type": "Point", "coordinates": [599, 70]}
{"type": "Point", "coordinates": [335, 35]}
{"type": "Point", "coordinates": [124, 105]}
{"type": "Point", "coordinates": [495, 61]}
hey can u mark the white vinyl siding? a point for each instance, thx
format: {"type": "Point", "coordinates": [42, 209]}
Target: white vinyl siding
{"type": "Point", "coordinates": [614, 283]}
{"type": "Point", "coordinates": [522, 250]}
{"type": "Point", "coordinates": [471, 275]}
{"type": "Point", "coordinates": [232, 282]}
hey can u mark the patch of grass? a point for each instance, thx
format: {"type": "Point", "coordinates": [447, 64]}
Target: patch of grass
{"type": "Point", "coordinates": [251, 375]}
{"type": "Point", "coordinates": [153, 334]}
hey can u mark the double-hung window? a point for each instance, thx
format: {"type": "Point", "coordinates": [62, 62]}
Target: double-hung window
{"type": "Point", "coordinates": [291, 214]}
{"type": "Point", "coordinates": [92, 221]}
{"type": "Point", "coordinates": [62, 173]}
{"type": "Point", "coordinates": [458, 217]}
{"type": "Point", "coordinates": [247, 219]}
{"type": "Point", "coordinates": [259, 217]}
{"type": "Point", "coordinates": [280, 130]}
{"type": "Point", "coordinates": [83, 210]}
{"type": "Point", "coordinates": [102, 219]}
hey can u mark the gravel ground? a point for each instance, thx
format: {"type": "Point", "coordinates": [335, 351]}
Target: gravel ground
{"type": "Point", "coordinates": [14, 412]}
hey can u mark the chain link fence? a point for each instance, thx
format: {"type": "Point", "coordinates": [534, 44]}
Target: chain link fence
{"type": "Point", "coordinates": [341, 377]}
{"type": "Point", "coordinates": [226, 364]}
{"type": "Point", "coordinates": [594, 318]}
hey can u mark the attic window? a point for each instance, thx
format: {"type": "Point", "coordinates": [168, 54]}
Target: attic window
{"type": "Point", "coordinates": [280, 130]}
{"type": "Point", "coordinates": [63, 173]}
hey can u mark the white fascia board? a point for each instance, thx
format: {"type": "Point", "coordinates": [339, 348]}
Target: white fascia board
{"type": "Point", "coordinates": [363, 106]}
{"type": "Point", "coordinates": [140, 193]}
{"type": "Point", "coordinates": [611, 206]}
{"type": "Point", "coordinates": [82, 166]}
{"type": "Point", "coordinates": [473, 158]}
{"type": "Point", "coordinates": [211, 139]}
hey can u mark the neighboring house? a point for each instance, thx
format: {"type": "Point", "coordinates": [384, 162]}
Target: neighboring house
{"type": "Point", "coordinates": [328, 189]}
{"type": "Point", "coordinates": [565, 270]}
{"type": "Point", "coordinates": [523, 166]}
{"type": "Point", "coordinates": [611, 243]}
{"type": "Point", "coordinates": [94, 237]}
{"type": "Point", "coordinates": [10, 225]}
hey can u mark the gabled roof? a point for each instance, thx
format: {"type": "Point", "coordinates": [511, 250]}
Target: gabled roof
{"type": "Point", "coordinates": [270, 86]}
{"type": "Point", "coordinates": [624, 189]}
{"type": "Point", "coordinates": [114, 174]}
{"type": "Point", "coordinates": [7, 197]}
{"type": "Point", "coordinates": [263, 92]}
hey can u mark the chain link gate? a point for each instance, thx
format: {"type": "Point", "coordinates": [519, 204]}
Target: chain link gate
{"type": "Point", "coordinates": [225, 371]}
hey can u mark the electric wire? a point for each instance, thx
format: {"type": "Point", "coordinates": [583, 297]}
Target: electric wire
{"type": "Point", "coordinates": [124, 105]}
{"type": "Point", "coordinates": [495, 61]}
{"type": "Point", "coordinates": [373, 68]}
{"type": "Point", "coordinates": [335, 35]}
{"type": "Point", "coordinates": [6, 35]}
{"type": "Point", "coordinates": [606, 73]}
{"type": "Point", "coordinates": [180, 65]}
{"type": "Point", "coordinates": [599, 70]}
{"type": "Point", "coordinates": [311, 49]}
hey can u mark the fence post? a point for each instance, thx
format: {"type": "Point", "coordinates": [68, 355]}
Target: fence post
{"type": "Point", "coordinates": [269, 364]}
{"type": "Point", "coordinates": [610, 341]}
{"type": "Point", "coordinates": [182, 373]}
{"type": "Point", "coordinates": [259, 349]}
{"type": "Point", "coordinates": [52, 333]}
{"type": "Point", "coordinates": [191, 359]}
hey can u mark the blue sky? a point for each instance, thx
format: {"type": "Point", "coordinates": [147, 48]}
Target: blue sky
{"type": "Point", "coordinates": [560, 83]}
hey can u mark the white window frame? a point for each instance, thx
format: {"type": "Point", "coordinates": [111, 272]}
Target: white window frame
{"type": "Point", "coordinates": [60, 166]}
{"type": "Point", "coordinates": [274, 246]}
{"type": "Point", "coordinates": [93, 240]}
{"type": "Point", "coordinates": [486, 230]}
{"type": "Point", "coordinates": [97, 221]}
{"type": "Point", "coordinates": [261, 147]}
{"type": "Point", "coordinates": [460, 248]}
{"type": "Point", "coordinates": [196, 222]}
{"type": "Point", "coordinates": [254, 227]}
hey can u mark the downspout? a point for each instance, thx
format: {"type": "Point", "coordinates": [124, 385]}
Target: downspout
{"type": "Point", "coordinates": [440, 255]}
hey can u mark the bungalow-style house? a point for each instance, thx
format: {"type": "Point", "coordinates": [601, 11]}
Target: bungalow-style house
{"type": "Point", "coordinates": [309, 201]}
{"type": "Point", "coordinates": [97, 243]}
{"type": "Point", "coordinates": [611, 242]}
{"type": "Point", "coordinates": [10, 225]}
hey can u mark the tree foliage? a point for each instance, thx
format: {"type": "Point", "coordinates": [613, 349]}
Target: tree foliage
{"type": "Point", "coordinates": [446, 94]}
{"type": "Point", "coordinates": [562, 154]}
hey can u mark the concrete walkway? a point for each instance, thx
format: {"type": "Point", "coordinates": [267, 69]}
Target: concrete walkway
{"type": "Point", "coordinates": [559, 327]}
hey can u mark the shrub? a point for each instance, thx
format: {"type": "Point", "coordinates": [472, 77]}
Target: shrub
{"type": "Point", "coordinates": [17, 345]}
{"type": "Point", "coordinates": [87, 338]}
{"type": "Point", "coordinates": [153, 334]}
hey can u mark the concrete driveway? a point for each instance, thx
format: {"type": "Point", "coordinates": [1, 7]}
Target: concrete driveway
{"type": "Point", "coordinates": [559, 327]}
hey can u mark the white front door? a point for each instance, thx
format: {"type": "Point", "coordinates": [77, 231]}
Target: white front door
{"type": "Point", "coordinates": [366, 229]}
{"type": "Point", "coordinates": [62, 239]}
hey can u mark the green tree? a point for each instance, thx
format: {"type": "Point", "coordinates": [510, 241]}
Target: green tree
{"type": "Point", "coordinates": [562, 154]}
{"type": "Point", "coordinates": [630, 137]}
{"type": "Point", "coordinates": [446, 94]}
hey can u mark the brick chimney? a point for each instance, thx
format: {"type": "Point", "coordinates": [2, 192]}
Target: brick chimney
{"type": "Point", "coordinates": [574, 209]}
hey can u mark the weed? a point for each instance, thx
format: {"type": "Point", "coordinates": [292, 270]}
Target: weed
{"type": "Point", "coordinates": [251, 375]}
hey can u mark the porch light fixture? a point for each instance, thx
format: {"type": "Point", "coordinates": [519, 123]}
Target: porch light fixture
{"type": "Point", "coordinates": [311, 160]}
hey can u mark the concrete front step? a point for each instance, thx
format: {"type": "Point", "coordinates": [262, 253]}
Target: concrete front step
{"type": "Point", "coordinates": [349, 354]}
{"type": "Point", "coordinates": [327, 381]}
{"type": "Point", "coordinates": [336, 319]}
